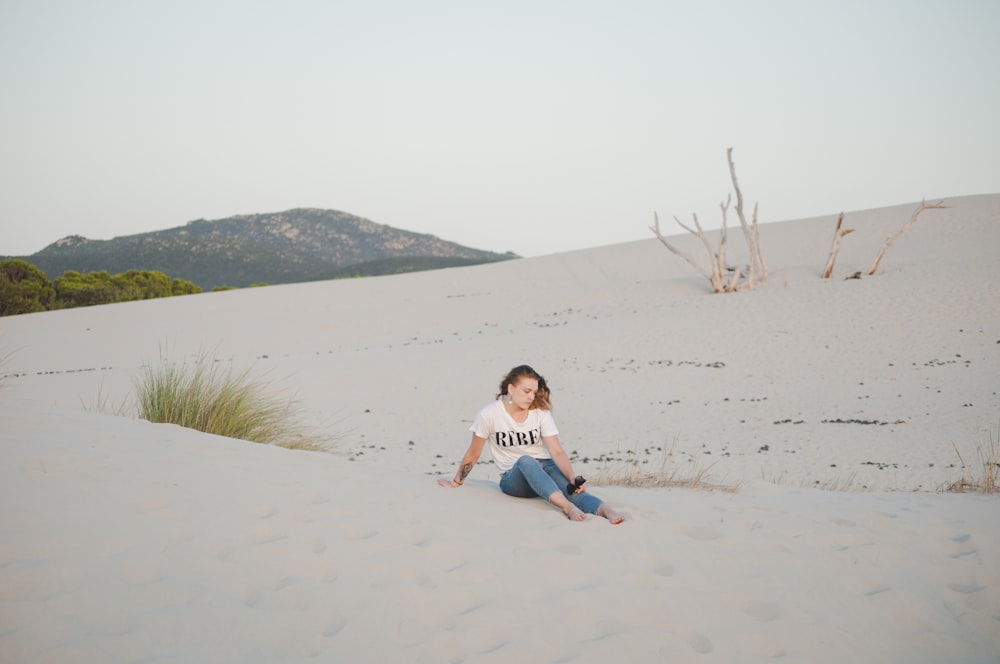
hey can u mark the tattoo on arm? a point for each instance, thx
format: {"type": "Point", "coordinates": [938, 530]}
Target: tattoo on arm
{"type": "Point", "coordinates": [464, 471]}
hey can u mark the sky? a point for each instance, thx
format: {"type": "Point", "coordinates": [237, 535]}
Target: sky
{"type": "Point", "coordinates": [533, 127]}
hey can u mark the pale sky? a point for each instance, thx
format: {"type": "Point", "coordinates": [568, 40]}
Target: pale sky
{"type": "Point", "coordinates": [533, 127]}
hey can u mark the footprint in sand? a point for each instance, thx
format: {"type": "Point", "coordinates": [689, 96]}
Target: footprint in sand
{"type": "Point", "coordinates": [337, 625]}
{"type": "Point", "coordinates": [497, 645]}
{"type": "Point", "coordinates": [154, 504]}
{"type": "Point", "coordinates": [763, 611]}
{"type": "Point", "coordinates": [475, 606]}
{"type": "Point", "coordinates": [220, 551]}
{"type": "Point", "coordinates": [263, 512]}
{"type": "Point", "coordinates": [644, 560]}
{"type": "Point", "coordinates": [265, 534]}
{"type": "Point", "coordinates": [356, 531]}
{"type": "Point", "coordinates": [847, 523]}
{"type": "Point", "coordinates": [703, 533]}
{"type": "Point", "coordinates": [285, 582]}
{"type": "Point", "coordinates": [290, 594]}
{"type": "Point", "coordinates": [138, 572]}
{"type": "Point", "coordinates": [767, 646]}
{"type": "Point", "coordinates": [869, 587]}
{"type": "Point", "coordinates": [700, 643]}
{"type": "Point", "coordinates": [318, 568]}
{"type": "Point", "coordinates": [963, 546]}
{"type": "Point", "coordinates": [244, 592]}
{"type": "Point", "coordinates": [311, 499]}
{"type": "Point", "coordinates": [840, 541]}
{"type": "Point", "coordinates": [664, 569]}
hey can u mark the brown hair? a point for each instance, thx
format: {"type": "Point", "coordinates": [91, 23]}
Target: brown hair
{"type": "Point", "coordinates": [543, 398]}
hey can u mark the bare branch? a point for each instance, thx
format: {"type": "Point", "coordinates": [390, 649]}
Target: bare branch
{"type": "Point", "coordinates": [835, 247]}
{"type": "Point", "coordinates": [685, 256]}
{"type": "Point", "coordinates": [720, 256]}
{"type": "Point", "coordinates": [734, 281]}
{"type": "Point", "coordinates": [761, 265]}
{"type": "Point", "coordinates": [892, 238]}
{"type": "Point", "coordinates": [750, 233]}
{"type": "Point", "coordinates": [736, 186]}
{"type": "Point", "coordinates": [725, 214]}
{"type": "Point", "coordinates": [699, 233]}
{"type": "Point", "coordinates": [751, 237]}
{"type": "Point", "coordinates": [717, 276]}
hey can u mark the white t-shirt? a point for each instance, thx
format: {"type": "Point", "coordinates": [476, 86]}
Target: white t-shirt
{"type": "Point", "coordinates": [509, 440]}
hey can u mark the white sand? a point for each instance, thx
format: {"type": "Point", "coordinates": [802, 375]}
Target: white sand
{"type": "Point", "coordinates": [123, 541]}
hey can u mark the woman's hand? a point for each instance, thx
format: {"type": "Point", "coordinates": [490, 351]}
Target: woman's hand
{"type": "Point", "coordinates": [468, 461]}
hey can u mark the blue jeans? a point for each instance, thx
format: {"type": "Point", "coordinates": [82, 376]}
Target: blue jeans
{"type": "Point", "coordinates": [530, 478]}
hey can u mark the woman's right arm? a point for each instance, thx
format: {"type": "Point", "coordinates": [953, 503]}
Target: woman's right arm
{"type": "Point", "coordinates": [467, 464]}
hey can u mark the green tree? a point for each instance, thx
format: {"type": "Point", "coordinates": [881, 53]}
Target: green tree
{"type": "Point", "coordinates": [141, 285]}
{"type": "Point", "coordinates": [183, 287]}
{"type": "Point", "coordinates": [23, 288]}
{"type": "Point", "coordinates": [74, 289]}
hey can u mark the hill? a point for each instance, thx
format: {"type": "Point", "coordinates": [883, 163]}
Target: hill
{"type": "Point", "coordinates": [283, 247]}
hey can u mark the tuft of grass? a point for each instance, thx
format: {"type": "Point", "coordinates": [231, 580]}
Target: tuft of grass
{"type": "Point", "coordinates": [631, 473]}
{"type": "Point", "coordinates": [4, 358]}
{"type": "Point", "coordinates": [983, 477]}
{"type": "Point", "coordinates": [839, 484]}
{"type": "Point", "coordinates": [214, 398]}
{"type": "Point", "coordinates": [103, 403]}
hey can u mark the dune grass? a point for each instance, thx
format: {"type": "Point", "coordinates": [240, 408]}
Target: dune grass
{"type": "Point", "coordinates": [210, 396]}
{"type": "Point", "coordinates": [984, 476]}
{"type": "Point", "coordinates": [4, 359]}
{"type": "Point", "coordinates": [635, 473]}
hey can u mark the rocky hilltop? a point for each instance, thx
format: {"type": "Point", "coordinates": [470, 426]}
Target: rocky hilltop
{"type": "Point", "coordinates": [282, 247]}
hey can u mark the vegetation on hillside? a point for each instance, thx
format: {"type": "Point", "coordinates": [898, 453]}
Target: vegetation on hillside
{"type": "Point", "coordinates": [26, 289]}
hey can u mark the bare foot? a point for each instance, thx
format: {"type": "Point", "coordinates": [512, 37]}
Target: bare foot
{"type": "Point", "coordinates": [573, 513]}
{"type": "Point", "coordinates": [609, 514]}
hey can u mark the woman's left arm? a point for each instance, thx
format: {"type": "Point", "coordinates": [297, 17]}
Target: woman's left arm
{"type": "Point", "coordinates": [560, 458]}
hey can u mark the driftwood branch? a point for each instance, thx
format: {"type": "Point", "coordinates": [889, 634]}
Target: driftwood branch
{"type": "Point", "coordinates": [687, 257]}
{"type": "Point", "coordinates": [719, 265]}
{"type": "Point", "coordinates": [892, 238]}
{"type": "Point", "coordinates": [716, 275]}
{"type": "Point", "coordinates": [761, 264]}
{"type": "Point", "coordinates": [756, 268]}
{"type": "Point", "coordinates": [838, 233]}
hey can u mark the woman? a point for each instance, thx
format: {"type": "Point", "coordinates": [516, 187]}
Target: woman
{"type": "Point", "coordinates": [525, 445]}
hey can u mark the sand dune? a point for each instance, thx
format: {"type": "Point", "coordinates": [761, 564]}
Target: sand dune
{"type": "Point", "coordinates": [126, 541]}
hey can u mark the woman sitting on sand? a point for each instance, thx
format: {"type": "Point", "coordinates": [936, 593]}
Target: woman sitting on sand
{"type": "Point", "coordinates": [525, 445]}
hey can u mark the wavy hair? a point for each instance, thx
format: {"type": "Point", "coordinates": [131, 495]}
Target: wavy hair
{"type": "Point", "coordinates": [543, 397]}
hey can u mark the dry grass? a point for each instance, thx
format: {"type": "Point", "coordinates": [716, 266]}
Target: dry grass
{"type": "Point", "coordinates": [837, 484]}
{"type": "Point", "coordinates": [211, 396]}
{"type": "Point", "coordinates": [981, 477]}
{"type": "Point", "coordinates": [5, 357]}
{"type": "Point", "coordinates": [634, 473]}
{"type": "Point", "coordinates": [104, 405]}
{"type": "Point", "coordinates": [3, 360]}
